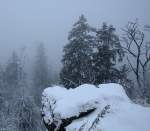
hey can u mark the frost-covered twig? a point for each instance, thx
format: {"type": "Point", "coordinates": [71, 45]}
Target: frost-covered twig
{"type": "Point", "coordinates": [99, 116]}
{"type": "Point", "coordinates": [82, 126]}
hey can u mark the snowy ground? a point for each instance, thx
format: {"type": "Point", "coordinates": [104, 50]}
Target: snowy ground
{"type": "Point", "coordinates": [114, 110]}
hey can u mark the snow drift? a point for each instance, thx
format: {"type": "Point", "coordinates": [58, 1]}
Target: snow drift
{"type": "Point", "coordinates": [91, 108]}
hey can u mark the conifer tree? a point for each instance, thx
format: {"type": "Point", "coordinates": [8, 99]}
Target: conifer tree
{"type": "Point", "coordinates": [108, 53]}
{"type": "Point", "coordinates": [76, 59]}
{"type": "Point", "coordinates": [13, 73]}
{"type": "Point", "coordinates": [41, 78]}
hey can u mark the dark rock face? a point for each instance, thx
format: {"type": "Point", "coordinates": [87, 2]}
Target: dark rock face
{"type": "Point", "coordinates": [67, 121]}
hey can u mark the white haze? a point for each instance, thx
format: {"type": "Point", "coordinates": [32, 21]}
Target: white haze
{"type": "Point", "coordinates": [24, 23]}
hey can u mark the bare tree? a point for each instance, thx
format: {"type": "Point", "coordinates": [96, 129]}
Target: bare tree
{"type": "Point", "coordinates": [138, 54]}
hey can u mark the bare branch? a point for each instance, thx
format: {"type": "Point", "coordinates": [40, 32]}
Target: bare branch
{"type": "Point", "coordinates": [131, 65]}
{"type": "Point", "coordinates": [71, 81]}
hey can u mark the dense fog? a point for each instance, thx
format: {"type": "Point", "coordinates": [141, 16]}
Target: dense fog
{"type": "Point", "coordinates": [68, 44]}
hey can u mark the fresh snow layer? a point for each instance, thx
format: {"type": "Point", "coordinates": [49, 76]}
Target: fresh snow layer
{"type": "Point", "coordinates": [122, 115]}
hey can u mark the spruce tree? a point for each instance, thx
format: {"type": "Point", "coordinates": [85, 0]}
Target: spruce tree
{"type": "Point", "coordinates": [108, 53]}
{"type": "Point", "coordinates": [40, 72]}
{"type": "Point", "coordinates": [77, 53]}
{"type": "Point", "coordinates": [13, 73]}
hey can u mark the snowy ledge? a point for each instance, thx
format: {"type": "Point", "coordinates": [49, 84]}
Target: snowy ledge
{"type": "Point", "coordinates": [91, 108]}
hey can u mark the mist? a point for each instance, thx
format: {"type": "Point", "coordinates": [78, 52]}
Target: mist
{"type": "Point", "coordinates": [25, 23]}
{"type": "Point", "coordinates": [74, 65]}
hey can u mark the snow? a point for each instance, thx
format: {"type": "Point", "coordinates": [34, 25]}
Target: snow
{"type": "Point", "coordinates": [122, 114]}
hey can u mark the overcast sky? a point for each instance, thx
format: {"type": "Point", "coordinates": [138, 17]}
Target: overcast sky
{"type": "Point", "coordinates": [27, 22]}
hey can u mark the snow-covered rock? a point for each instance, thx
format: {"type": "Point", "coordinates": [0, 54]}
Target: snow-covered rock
{"type": "Point", "coordinates": [111, 109]}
